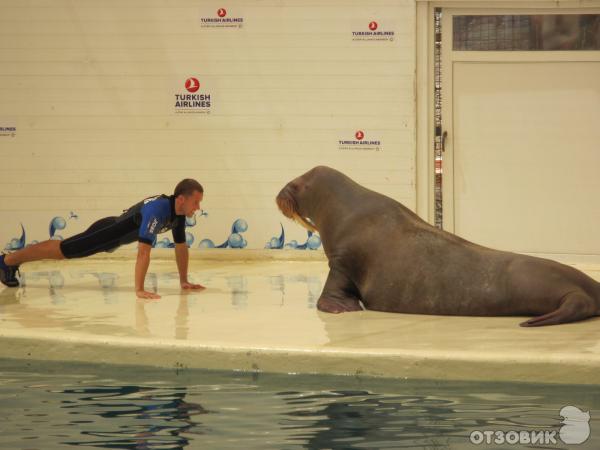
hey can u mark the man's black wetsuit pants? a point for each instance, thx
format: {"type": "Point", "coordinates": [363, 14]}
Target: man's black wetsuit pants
{"type": "Point", "coordinates": [104, 235]}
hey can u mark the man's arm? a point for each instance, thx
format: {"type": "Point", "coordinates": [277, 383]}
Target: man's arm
{"type": "Point", "coordinates": [182, 257]}
{"type": "Point", "coordinates": [141, 267]}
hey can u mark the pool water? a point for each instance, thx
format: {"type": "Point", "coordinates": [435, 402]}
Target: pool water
{"type": "Point", "coordinates": [52, 405]}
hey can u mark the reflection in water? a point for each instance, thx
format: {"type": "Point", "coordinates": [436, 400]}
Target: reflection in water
{"type": "Point", "coordinates": [158, 409]}
{"type": "Point", "coordinates": [290, 291]}
{"type": "Point", "coordinates": [278, 285]}
{"type": "Point", "coordinates": [154, 282]}
{"type": "Point", "coordinates": [148, 417]}
{"type": "Point", "coordinates": [11, 297]}
{"type": "Point", "coordinates": [151, 282]}
{"type": "Point", "coordinates": [107, 282]}
{"type": "Point", "coordinates": [239, 291]}
{"type": "Point", "coordinates": [340, 419]}
{"type": "Point", "coordinates": [313, 285]}
{"type": "Point", "coordinates": [344, 418]}
{"type": "Point", "coordinates": [182, 328]}
{"type": "Point", "coordinates": [56, 282]}
{"type": "Point", "coordinates": [142, 324]}
{"type": "Point", "coordinates": [369, 420]}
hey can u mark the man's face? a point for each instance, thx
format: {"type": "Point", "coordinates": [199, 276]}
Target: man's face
{"type": "Point", "coordinates": [191, 203]}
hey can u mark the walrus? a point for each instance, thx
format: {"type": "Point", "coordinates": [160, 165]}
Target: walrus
{"type": "Point", "coordinates": [382, 254]}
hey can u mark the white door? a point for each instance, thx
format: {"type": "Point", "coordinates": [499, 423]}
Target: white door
{"type": "Point", "coordinates": [522, 159]}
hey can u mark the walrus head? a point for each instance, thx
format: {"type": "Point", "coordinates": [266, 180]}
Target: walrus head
{"type": "Point", "coordinates": [298, 198]}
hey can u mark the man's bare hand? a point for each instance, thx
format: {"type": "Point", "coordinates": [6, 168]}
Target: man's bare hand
{"type": "Point", "coordinates": [186, 285]}
{"type": "Point", "coordinates": [146, 294]}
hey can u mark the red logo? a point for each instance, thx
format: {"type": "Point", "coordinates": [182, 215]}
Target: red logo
{"type": "Point", "coordinates": [373, 26]}
{"type": "Point", "coordinates": [222, 12]}
{"type": "Point", "coordinates": [192, 84]}
{"type": "Point", "coordinates": [359, 135]}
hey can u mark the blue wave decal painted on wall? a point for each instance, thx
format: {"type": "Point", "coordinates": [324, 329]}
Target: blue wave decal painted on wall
{"type": "Point", "coordinates": [58, 223]}
{"type": "Point", "coordinates": [277, 243]}
{"type": "Point", "coordinates": [190, 221]}
{"type": "Point", "coordinates": [206, 243]}
{"type": "Point", "coordinates": [189, 238]}
{"type": "Point", "coordinates": [166, 242]}
{"type": "Point", "coordinates": [22, 240]}
{"type": "Point", "coordinates": [17, 243]}
{"type": "Point", "coordinates": [163, 243]}
{"type": "Point", "coordinates": [235, 239]}
{"type": "Point", "coordinates": [313, 242]}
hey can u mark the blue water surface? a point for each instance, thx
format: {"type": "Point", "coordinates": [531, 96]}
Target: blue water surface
{"type": "Point", "coordinates": [58, 405]}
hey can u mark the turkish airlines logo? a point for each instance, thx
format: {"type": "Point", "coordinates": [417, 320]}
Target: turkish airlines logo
{"type": "Point", "coordinates": [374, 33]}
{"type": "Point", "coordinates": [193, 101]}
{"type": "Point", "coordinates": [222, 20]}
{"type": "Point", "coordinates": [192, 85]}
{"type": "Point", "coordinates": [359, 143]}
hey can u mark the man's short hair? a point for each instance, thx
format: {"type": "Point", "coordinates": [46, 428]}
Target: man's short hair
{"type": "Point", "coordinates": [188, 187]}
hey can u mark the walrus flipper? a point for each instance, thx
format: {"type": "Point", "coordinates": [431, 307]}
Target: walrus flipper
{"type": "Point", "coordinates": [575, 306]}
{"type": "Point", "coordinates": [339, 294]}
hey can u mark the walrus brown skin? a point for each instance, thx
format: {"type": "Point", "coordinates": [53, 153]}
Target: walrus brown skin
{"type": "Point", "coordinates": [384, 255]}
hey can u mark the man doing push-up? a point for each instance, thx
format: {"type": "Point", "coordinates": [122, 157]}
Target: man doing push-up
{"type": "Point", "coordinates": [142, 222]}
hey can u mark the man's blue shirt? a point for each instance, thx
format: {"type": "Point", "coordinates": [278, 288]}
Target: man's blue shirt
{"type": "Point", "coordinates": [156, 215]}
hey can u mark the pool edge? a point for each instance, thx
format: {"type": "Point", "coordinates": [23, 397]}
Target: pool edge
{"type": "Point", "coordinates": [181, 355]}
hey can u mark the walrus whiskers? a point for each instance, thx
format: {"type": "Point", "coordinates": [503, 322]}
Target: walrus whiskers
{"type": "Point", "coordinates": [287, 204]}
{"type": "Point", "coordinates": [289, 207]}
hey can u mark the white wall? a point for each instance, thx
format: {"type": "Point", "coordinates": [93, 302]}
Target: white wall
{"type": "Point", "coordinates": [90, 87]}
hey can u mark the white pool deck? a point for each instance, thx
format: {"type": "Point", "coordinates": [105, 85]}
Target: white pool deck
{"type": "Point", "coordinates": [260, 315]}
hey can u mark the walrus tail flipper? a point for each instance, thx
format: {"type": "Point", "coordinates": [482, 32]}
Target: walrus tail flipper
{"type": "Point", "coordinates": [575, 306]}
